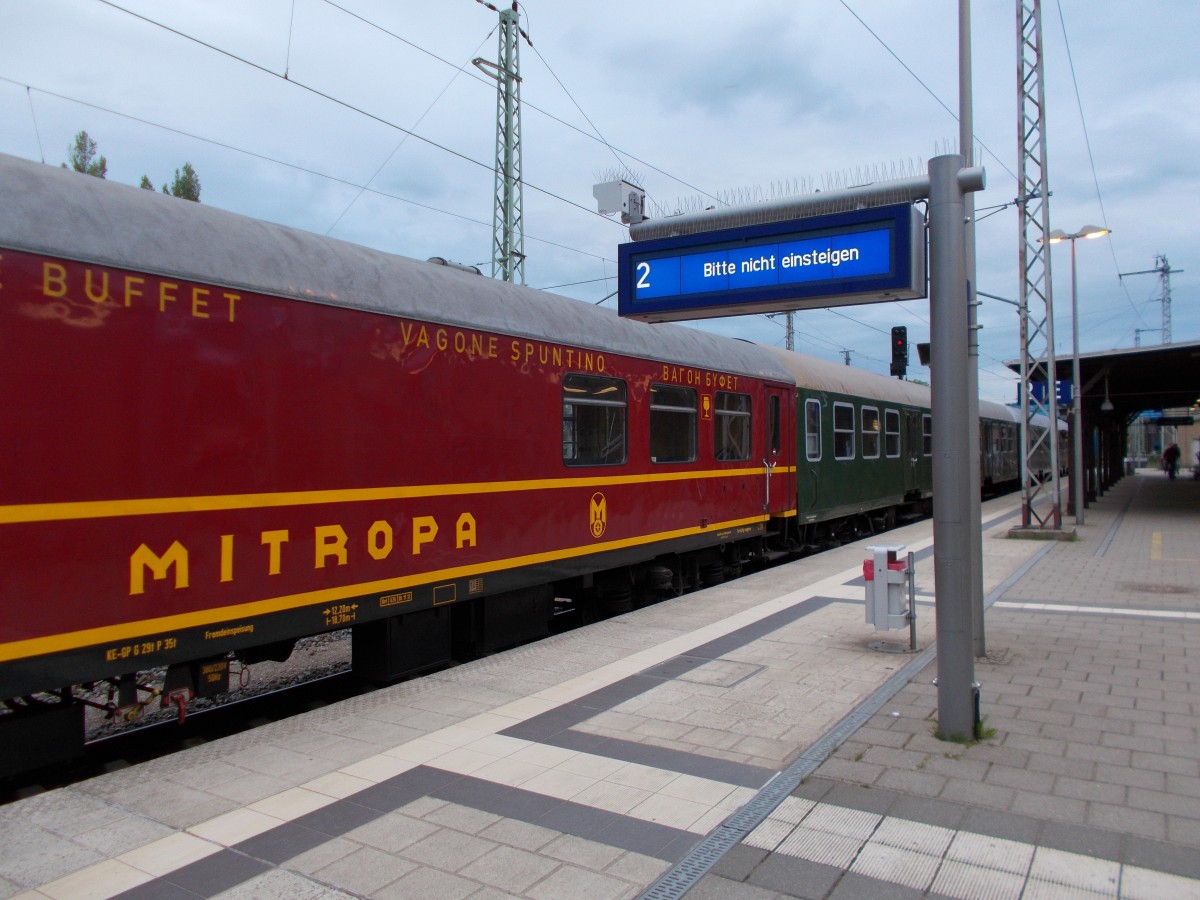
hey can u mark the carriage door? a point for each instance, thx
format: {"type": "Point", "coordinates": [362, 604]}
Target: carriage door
{"type": "Point", "coordinates": [779, 484]}
{"type": "Point", "coordinates": [911, 452]}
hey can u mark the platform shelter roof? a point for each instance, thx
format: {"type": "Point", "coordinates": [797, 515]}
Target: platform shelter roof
{"type": "Point", "coordinates": [1134, 380]}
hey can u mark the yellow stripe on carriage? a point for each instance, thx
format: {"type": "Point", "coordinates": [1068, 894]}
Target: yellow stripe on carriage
{"type": "Point", "coordinates": [154, 506]}
{"type": "Point", "coordinates": [75, 640]}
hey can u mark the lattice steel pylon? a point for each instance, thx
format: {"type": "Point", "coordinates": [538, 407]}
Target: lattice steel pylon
{"type": "Point", "coordinates": [508, 225]}
{"type": "Point", "coordinates": [1163, 270]}
{"type": "Point", "coordinates": [1038, 446]}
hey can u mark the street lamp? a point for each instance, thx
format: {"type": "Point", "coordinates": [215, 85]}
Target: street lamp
{"type": "Point", "coordinates": [1057, 237]}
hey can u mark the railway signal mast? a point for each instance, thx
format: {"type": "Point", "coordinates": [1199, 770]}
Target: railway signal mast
{"type": "Point", "coordinates": [508, 226]}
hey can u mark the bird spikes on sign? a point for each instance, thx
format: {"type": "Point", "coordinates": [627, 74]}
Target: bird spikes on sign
{"type": "Point", "coordinates": [948, 146]}
{"type": "Point", "coordinates": [777, 190]}
{"type": "Point", "coordinates": [800, 187]}
{"type": "Point", "coordinates": [861, 176]}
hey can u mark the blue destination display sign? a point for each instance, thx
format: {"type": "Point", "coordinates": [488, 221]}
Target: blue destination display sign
{"type": "Point", "coordinates": [863, 256]}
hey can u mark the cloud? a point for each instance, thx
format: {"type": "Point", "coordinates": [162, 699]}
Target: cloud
{"type": "Point", "coordinates": [710, 98]}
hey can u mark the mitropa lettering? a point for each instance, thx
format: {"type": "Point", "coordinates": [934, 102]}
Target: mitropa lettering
{"type": "Point", "coordinates": [331, 546]}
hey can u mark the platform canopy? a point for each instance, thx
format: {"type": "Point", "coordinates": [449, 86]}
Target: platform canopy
{"type": "Point", "coordinates": [1136, 380]}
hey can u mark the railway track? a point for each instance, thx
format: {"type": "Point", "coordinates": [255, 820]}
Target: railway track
{"type": "Point", "coordinates": [318, 673]}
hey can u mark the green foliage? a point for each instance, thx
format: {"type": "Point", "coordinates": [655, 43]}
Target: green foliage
{"type": "Point", "coordinates": [186, 184]}
{"type": "Point", "coordinates": [82, 157]}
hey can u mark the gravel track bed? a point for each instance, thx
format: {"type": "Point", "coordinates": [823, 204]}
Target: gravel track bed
{"type": "Point", "coordinates": [313, 657]}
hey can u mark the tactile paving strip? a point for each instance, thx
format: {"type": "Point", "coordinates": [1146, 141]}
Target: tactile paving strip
{"type": "Point", "coordinates": [688, 871]}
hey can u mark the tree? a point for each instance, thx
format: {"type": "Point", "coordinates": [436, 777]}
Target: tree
{"type": "Point", "coordinates": [82, 157]}
{"type": "Point", "coordinates": [186, 184]}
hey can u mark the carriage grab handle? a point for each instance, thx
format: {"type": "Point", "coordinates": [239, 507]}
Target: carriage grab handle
{"type": "Point", "coordinates": [768, 466]}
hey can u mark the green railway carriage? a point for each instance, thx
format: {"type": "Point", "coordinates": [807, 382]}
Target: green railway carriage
{"type": "Point", "coordinates": [863, 450]}
{"type": "Point", "coordinates": [999, 446]}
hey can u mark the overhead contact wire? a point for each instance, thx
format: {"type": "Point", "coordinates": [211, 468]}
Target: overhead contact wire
{"type": "Point", "coordinates": [342, 103]}
{"type": "Point", "coordinates": [525, 103]}
{"type": "Point", "coordinates": [404, 139]}
{"type": "Point", "coordinates": [927, 88]}
{"type": "Point", "coordinates": [298, 168]}
{"type": "Point", "coordinates": [1092, 162]}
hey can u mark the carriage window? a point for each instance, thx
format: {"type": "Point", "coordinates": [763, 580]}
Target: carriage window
{"type": "Point", "coordinates": [927, 434]}
{"type": "Point", "coordinates": [812, 430]}
{"type": "Point", "coordinates": [593, 420]}
{"type": "Point", "coordinates": [672, 424]}
{"type": "Point", "coordinates": [870, 432]}
{"type": "Point", "coordinates": [731, 424]}
{"type": "Point", "coordinates": [776, 429]}
{"type": "Point", "coordinates": [891, 433]}
{"type": "Point", "coordinates": [843, 431]}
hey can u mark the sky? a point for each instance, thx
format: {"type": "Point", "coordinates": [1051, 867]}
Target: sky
{"type": "Point", "coordinates": [365, 120]}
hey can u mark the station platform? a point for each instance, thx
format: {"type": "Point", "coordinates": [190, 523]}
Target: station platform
{"type": "Point", "coordinates": [744, 741]}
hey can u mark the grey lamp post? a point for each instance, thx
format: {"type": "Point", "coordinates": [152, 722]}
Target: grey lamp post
{"type": "Point", "coordinates": [1056, 237]}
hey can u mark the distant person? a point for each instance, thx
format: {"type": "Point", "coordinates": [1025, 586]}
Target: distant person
{"type": "Point", "coordinates": [1171, 460]}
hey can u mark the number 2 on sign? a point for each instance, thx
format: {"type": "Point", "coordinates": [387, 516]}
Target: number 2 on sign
{"type": "Point", "coordinates": [643, 270]}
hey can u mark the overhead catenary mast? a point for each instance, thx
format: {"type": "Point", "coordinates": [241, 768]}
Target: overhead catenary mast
{"type": "Point", "coordinates": [1036, 303]}
{"type": "Point", "coordinates": [508, 225]}
{"type": "Point", "coordinates": [1163, 270]}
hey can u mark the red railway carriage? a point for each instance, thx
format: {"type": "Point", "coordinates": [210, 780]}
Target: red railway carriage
{"type": "Point", "coordinates": [222, 435]}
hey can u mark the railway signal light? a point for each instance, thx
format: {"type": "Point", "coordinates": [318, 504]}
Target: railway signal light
{"type": "Point", "coordinates": [899, 350]}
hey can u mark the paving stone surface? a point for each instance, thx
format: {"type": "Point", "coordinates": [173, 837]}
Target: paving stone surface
{"type": "Point", "coordinates": [1090, 695]}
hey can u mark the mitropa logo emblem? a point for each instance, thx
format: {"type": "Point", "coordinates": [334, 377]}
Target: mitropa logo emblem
{"type": "Point", "coordinates": [599, 514]}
